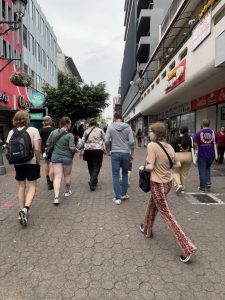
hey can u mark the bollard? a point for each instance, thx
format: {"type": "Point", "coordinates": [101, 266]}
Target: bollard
{"type": "Point", "coordinates": [2, 167]}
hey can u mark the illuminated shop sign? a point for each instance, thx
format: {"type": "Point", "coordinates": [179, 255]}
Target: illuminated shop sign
{"type": "Point", "coordinates": [213, 98]}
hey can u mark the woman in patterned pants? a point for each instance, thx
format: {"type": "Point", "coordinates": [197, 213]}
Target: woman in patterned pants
{"type": "Point", "coordinates": [161, 183]}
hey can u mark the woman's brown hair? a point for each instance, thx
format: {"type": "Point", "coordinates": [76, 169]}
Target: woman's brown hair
{"type": "Point", "coordinates": [65, 122]}
{"type": "Point", "coordinates": [159, 129]}
{"type": "Point", "coordinates": [21, 118]}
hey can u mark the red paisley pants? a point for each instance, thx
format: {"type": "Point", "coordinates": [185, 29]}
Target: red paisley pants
{"type": "Point", "coordinates": [158, 202]}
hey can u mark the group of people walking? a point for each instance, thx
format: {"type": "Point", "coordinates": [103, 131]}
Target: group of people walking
{"type": "Point", "coordinates": [119, 141]}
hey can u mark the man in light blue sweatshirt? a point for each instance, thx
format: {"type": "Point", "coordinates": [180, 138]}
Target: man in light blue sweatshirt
{"type": "Point", "coordinates": [122, 148]}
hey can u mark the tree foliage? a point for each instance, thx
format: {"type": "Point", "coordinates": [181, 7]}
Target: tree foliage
{"type": "Point", "coordinates": [75, 99]}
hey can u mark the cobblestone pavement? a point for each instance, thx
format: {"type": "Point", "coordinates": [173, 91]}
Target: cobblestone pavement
{"type": "Point", "coordinates": [89, 248]}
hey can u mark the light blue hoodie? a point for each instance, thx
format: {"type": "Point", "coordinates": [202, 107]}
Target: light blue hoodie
{"type": "Point", "coordinates": [121, 137]}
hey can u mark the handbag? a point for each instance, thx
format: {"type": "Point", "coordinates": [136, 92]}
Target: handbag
{"type": "Point", "coordinates": [144, 180]}
{"type": "Point", "coordinates": [49, 149]}
{"type": "Point", "coordinates": [194, 157]}
{"type": "Point", "coordinates": [215, 147]}
{"type": "Point", "coordinates": [85, 154]}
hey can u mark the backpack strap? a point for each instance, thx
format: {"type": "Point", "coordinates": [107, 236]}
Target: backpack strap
{"type": "Point", "coordinates": [169, 158]}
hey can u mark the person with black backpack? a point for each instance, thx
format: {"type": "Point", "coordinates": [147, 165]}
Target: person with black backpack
{"type": "Point", "coordinates": [23, 151]}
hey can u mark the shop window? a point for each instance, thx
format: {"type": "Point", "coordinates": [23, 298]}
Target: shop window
{"type": "Point", "coordinates": [183, 53]}
{"type": "Point", "coordinates": [172, 66]}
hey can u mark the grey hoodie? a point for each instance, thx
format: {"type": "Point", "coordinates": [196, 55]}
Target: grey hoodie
{"type": "Point", "coordinates": [121, 137]}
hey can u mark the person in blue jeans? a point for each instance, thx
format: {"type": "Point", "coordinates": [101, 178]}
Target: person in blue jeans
{"type": "Point", "coordinates": [122, 148]}
{"type": "Point", "coordinates": [204, 141]}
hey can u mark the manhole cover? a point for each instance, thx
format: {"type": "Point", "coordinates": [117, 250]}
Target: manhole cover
{"type": "Point", "coordinates": [197, 198]}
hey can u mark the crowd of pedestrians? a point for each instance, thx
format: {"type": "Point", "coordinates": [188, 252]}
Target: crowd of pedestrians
{"type": "Point", "coordinates": [167, 163]}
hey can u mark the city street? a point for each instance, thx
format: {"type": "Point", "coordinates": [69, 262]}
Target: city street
{"type": "Point", "coordinates": [90, 248]}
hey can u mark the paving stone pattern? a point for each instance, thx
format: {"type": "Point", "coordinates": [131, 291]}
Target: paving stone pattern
{"type": "Point", "coordinates": [90, 248]}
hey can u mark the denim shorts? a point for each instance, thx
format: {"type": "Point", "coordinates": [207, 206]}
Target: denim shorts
{"type": "Point", "coordinates": [66, 161]}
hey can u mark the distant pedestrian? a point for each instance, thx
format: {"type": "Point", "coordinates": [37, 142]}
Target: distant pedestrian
{"type": "Point", "coordinates": [93, 141]}
{"type": "Point", "coordinates": [204, 141]}
{"type": "Point", "coordinates": [122, 147]}
{"type": "Point", "coordinates": [81, 130]}
{"type": "Point", "coordinates": [30, 170]}
{"type": "Point", "coordinates": [62, 157]}
{"type": "Point", "coordinates": [161, 183]}
{"type": "Point", "coordinates": [44, 133]}
{"type": "Point", "coordinates": [182, 146]}
{"type": "Point", "coordinates": [139, 137]}
{"type": "Point", "coordinates": [221, 145]}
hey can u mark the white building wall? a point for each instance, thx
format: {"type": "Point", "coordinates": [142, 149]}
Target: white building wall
{"type": "Point", "coordinates": [43, 34]}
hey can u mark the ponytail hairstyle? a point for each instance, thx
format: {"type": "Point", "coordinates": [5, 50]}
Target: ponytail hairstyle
{"type": "Point", "coordinates": [185, 139]}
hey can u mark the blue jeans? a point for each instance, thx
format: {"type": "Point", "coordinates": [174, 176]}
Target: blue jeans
{"type": "Point", "coordinates": [120, 160]}
{"type": "Point", "coordinates": [204, 166]}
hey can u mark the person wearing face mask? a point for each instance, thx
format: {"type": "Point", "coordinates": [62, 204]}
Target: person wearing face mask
{"type": "Point", "coordinates": [62, 157]}
{"type": "Point", "coordinates": [160, 159]}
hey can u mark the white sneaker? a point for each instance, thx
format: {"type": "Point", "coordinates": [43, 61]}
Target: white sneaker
{"type": "Point", "coordinates": [67, 193]}
{"type": "Point", "coordinates": [125, 197]}
{"type": "Point", "coordinates": [56, 201]}
{"type": "Point", "coordinates": [117, 201]}
{"type": "Point", "coordinates": [179, 189]}
{"type": "Point", "coordinates": [23, 216]}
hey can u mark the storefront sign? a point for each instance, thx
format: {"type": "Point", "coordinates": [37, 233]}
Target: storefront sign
{"type": "Point", "coordinates": [36, 116]}
{"type": "Point", "coordinates": [201, 31]}
{"type": "Point", "coordinates": [209, 99]}
{"type": "Point", "coordinates": [22, 103]}
{"type": "Point", "coordinates": [176, 76]}
{"type": "Point", "coordinates": [175, 110]}
{"type": "Point", "coordinates": [37, 99]}
{"type": "Point", "coordinates": [4, 97]}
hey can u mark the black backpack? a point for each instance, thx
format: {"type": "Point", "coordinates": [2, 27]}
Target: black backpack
{"type": "Point", "coordinates": [19, 149]}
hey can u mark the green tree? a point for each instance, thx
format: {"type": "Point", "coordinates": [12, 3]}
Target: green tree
{"type": "Point", "coordinates": [75, 99]}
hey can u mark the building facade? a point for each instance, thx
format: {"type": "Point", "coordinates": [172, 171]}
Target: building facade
{"type": "Point", "coordinates": [189, 84]}
{"type": "Point", "coordinates": [142, 21]}
{"type": "Point", "coordinates": [32, 49]}
{"type": "Point", "coordinates": [67, 65]}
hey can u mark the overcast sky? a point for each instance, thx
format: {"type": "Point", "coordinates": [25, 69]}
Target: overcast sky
{"type": "Point", "coordinates": [91, 32]}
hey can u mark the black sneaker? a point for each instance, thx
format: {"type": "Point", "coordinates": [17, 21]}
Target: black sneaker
{"type": "Point", "coordinates": [23, 217]}
{"type": "Point", "coordinates": [92, 187]}
{"type": "Point", "coordinates": [50, 186]}
{"type": "Point", "coordinates": [208, 187]}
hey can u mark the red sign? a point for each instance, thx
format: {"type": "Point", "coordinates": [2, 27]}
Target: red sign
{"type": "Point", "coordinates": [176, 76]}
{"type": "Point", "coordinates": [209, 99]}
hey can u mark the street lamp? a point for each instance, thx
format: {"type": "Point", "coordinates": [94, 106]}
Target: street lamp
{"type": "Point", "coordinates": [19, 10]}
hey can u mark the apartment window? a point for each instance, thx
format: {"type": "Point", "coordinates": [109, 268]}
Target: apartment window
{"type": "Point", "coordinates": [28, 40]}
{"type": "Point", "coordinates": [183, 53]}
{"type": "Point", "coordinates": [39, 52]}
{"type": "Point", "coordinates": [4, 49]}
{"type": "Point", "coordinates": [219, 16]}
{"type": "Point", "coordinates": [37, 18]}
{"type": "Point", "coordinates": [151, 4]}
{"type": "Point", "coordinates": [25, 36]}
{"type": "Point", "coordinates": [10, 51]}
{"type": "Point", "coordinates": [44, 58]}
{"type": "Point", "coordinates": [148, 91]}
{"type": "Point", "coordinates": [33, 46]}
{"type": "Point", "coordinates": [157, 81]}
{"type": "Point", "coordinates": [3, 9]}
{"type": "Point", "coordinates": [42, 27]}
{"type": "Point", "coordinates": [47, 34]}
{"type": "Point", "coordinates": [164, 74]}
{"type": "Point", "coordinates": [172, 66]}
{"type": "Point", "coordinates": [152, 87]}
{"type": "Point", "coordinates": [32, 11]}
{"type": "Point", "coordinates": [25, 69]}
{"type": "Point", "coordinates": [9, 14]}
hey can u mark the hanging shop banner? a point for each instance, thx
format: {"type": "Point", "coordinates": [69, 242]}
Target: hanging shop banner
{"type": "Point", "coordinates": [202, 30]}
{"type": "Point", "coordinates": [213, 98]}
{"type": "Point", "coordinates": [176, 76]}
{"type": "Point", "coordinates": [37, 99]}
